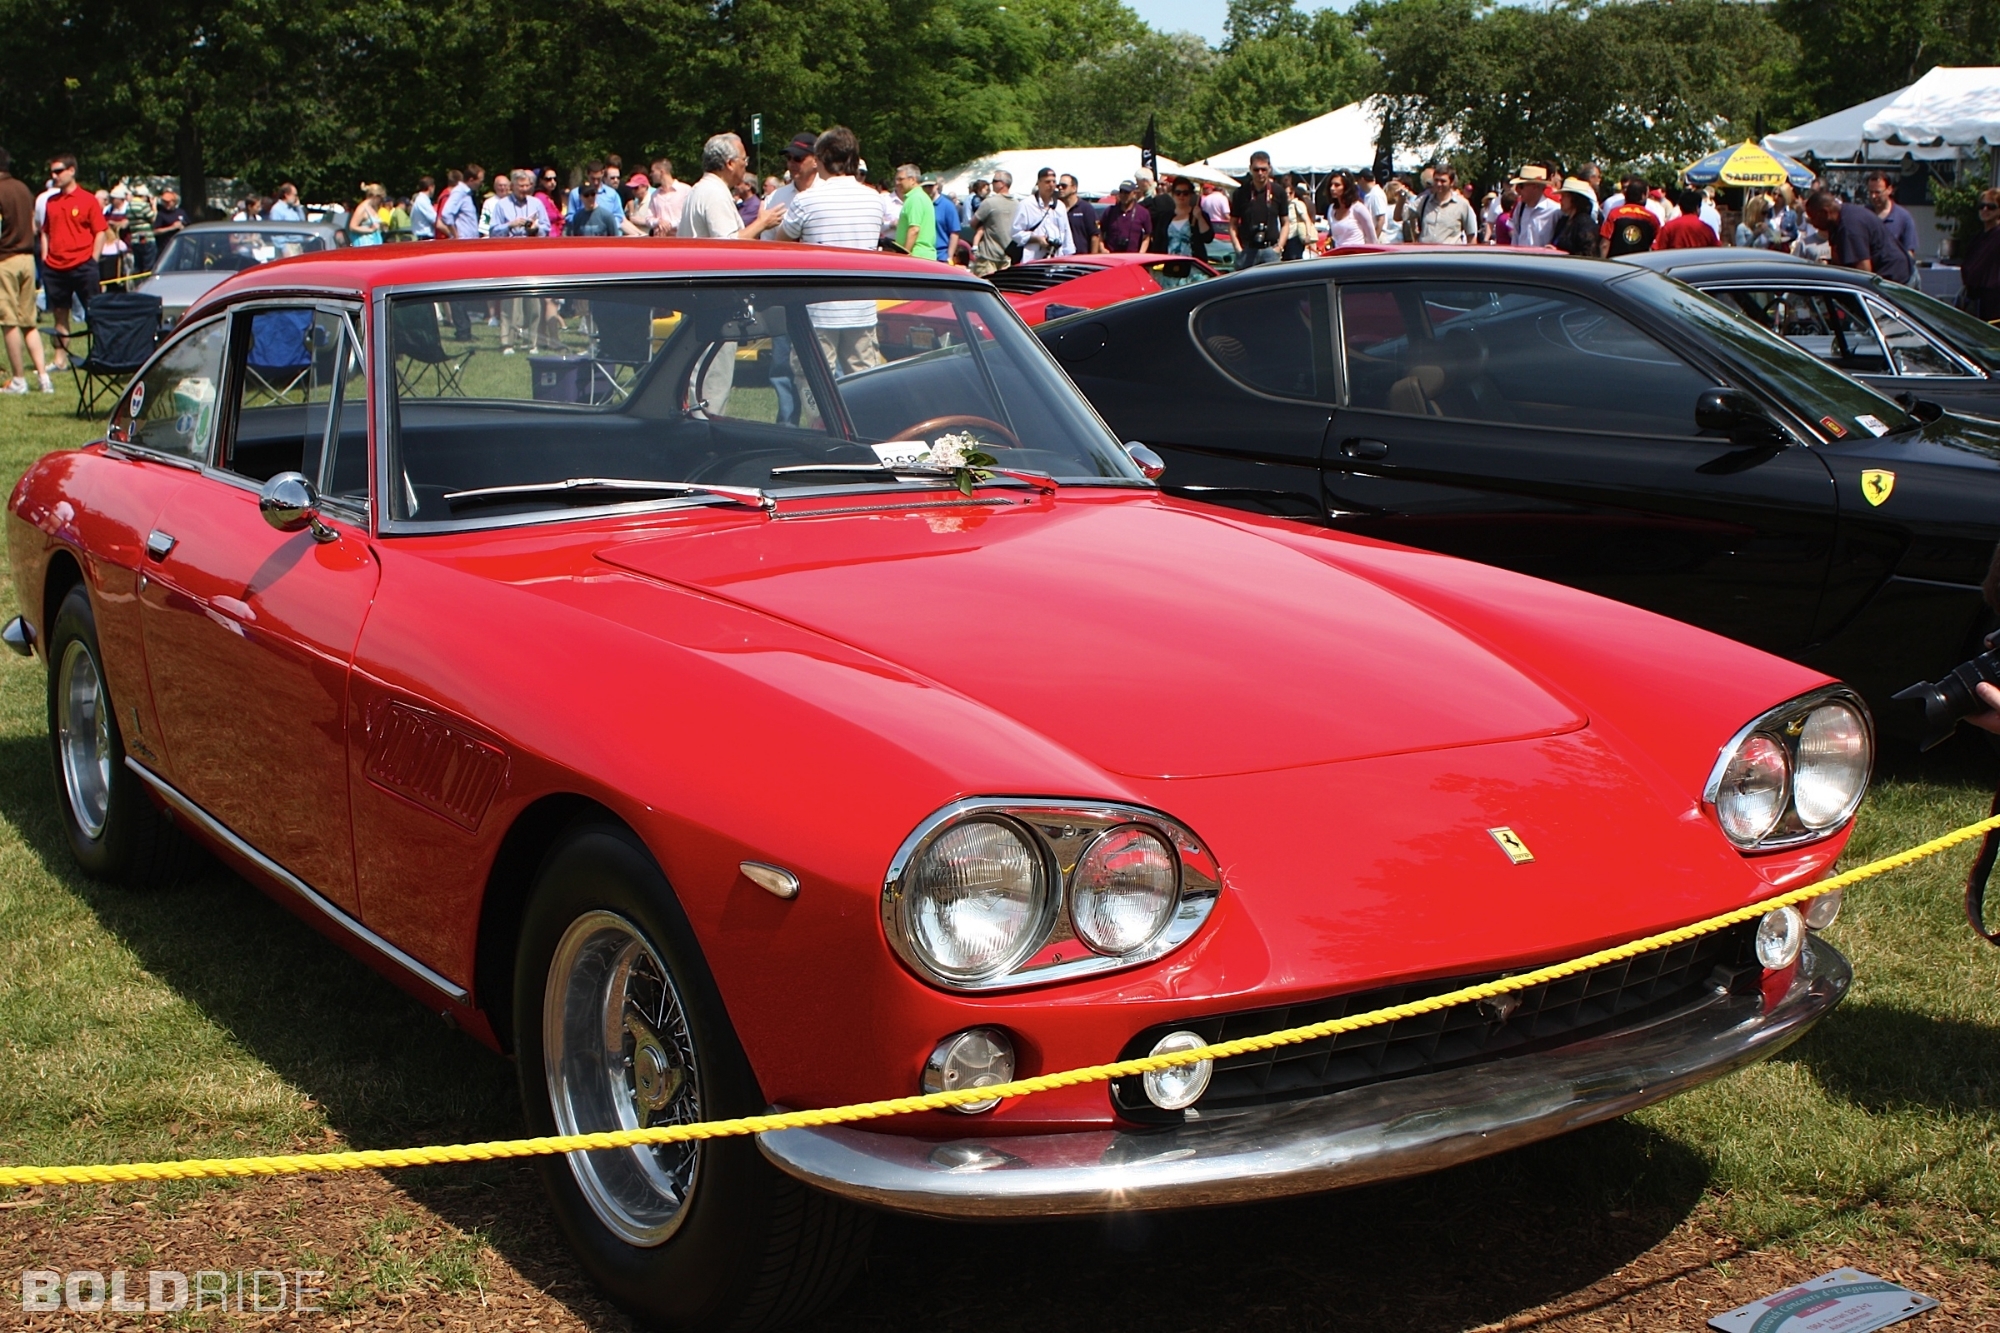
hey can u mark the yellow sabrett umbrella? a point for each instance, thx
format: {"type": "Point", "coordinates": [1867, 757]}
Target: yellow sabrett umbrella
{"type": "Point", "coordinates": [1748, 164]}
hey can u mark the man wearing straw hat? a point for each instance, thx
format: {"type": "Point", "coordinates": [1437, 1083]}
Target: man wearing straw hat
{"type": "Point", "coordinates": [1536, 215]}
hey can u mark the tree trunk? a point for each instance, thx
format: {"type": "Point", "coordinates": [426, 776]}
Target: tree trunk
{"type": "Point", "coordinates": [194, 180]}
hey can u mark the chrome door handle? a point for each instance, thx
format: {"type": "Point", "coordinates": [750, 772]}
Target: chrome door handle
{"type": "Point", "coordinates": [1364, 448]}
{"type": "Point", "coordinates": [159, 543]}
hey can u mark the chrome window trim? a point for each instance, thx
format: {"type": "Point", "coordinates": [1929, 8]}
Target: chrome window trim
{"type": "Point", "coordinates": [443, 985]}
{"type": "Point", "coordinates": [1868, 299]}
{"type": "Point", "coordinates": [1062, 829]}
{"type": "Point", "coordinates": [346, 308]}
{"type": "Point", "coordinates": [1765, 721]}
{"type": "Point", "coordinates": [1870, 302]}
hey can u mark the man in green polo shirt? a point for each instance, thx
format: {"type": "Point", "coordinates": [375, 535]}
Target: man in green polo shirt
{"type": "Point", "coordinates": [916, 225]}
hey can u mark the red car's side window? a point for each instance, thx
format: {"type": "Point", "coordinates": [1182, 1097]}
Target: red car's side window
{"type": "Point", "coordinates": [171, 408]}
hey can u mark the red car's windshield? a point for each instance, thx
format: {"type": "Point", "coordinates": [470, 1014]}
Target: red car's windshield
{"type": "Point", "coordinates": [783, 384]}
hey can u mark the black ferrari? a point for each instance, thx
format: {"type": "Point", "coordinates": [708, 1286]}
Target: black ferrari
{"type": "Point", "coordinates": [1885, 334]}
{"type": "Point", "coordinates": [1588, 422]}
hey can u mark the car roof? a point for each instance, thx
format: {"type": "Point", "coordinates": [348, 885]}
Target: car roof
{"type": "Point", "coordinates": [359, 270]}
{"type": "Point", "coordinates": [1729, 257]}
{"type": "Point", "coordinates": [1431, 261]}
{"type": "Point", "coordinates": [1769, 268]}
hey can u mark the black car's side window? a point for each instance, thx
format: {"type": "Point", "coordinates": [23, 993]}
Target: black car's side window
{"type": "Point", "coordinates": [1910, 352]}
{"type": "Point", "coordinates": [1505, 355]}
{"type": "Point", "coordinates": [1273, 340]}
{"type": "Point", "coordinates": [288, 375]}
{"type": "Point", "coordinates": [171, 409]}
{"type": "Point", "coordinates": [1830, 325]}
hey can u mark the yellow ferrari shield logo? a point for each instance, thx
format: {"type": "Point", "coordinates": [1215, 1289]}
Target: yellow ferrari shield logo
{"type": "Point", "coordinates": [1510, 843]}
{"type": "Point", "coordinates": [1876, 485]}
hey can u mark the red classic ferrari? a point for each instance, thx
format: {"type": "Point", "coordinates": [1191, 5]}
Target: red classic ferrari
{"type": "Point", "coordinates": [717, 705]}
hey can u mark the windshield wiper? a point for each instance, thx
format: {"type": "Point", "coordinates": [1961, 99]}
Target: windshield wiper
{"type": "Point", "coordinates": [588, 488]}
{"type": "Point", "coordinates": [1041, 481]}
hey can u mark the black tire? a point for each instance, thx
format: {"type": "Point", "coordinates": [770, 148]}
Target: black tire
{"type": "Point", "coordinates": [116, 831]}
{"type": "Point", "coordinates": [748, 1247]}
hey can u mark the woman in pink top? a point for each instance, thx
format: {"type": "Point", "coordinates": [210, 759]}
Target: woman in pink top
{"type": "Point", "coordinates": [546, 188]}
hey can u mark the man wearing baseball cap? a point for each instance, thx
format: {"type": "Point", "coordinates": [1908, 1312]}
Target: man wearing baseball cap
{"type": "Point", "coordinates": [802, 169]}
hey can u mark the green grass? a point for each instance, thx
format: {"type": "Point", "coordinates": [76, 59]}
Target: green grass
{"type": "Point", "coordinates": [210, 1021]}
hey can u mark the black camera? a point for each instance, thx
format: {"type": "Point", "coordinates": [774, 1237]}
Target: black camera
{"type": "Point", "coordinates": [1952, 696]}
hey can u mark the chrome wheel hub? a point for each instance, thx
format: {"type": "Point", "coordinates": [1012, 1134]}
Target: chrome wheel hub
{"type": "Point", "coordinates": [83, 738]}
{"type": "Point", "coordinates": [618, 1056]}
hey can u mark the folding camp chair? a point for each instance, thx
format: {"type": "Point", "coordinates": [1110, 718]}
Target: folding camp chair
{"type": "Point", "coordinates": [280, 359]}
{"type": "Point", "coordinates": [123, 329]}
{"type": "Point", "coordinates": [624, 344]}
{"type": "Point", "coordinates": [421, 356]}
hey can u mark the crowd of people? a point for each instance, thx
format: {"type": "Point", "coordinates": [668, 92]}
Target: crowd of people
{"type": "Point", "coordinates": [68, 242]}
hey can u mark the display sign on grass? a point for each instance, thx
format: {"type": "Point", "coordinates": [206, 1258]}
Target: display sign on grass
{"type": "Point", "coordinates": [1846, 1300]}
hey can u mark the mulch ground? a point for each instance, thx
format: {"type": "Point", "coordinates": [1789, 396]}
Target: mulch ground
{"type": "Point", "coordinates": [448, 1253]}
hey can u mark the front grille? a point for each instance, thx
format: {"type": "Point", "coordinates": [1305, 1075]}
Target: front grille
{"type": "Point", "coordinates": [1555, 1013]}
{"type": "Point", "coordinates": [1027, 279]}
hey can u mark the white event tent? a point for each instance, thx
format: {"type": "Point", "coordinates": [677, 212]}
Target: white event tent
{"type": "Point", "coordinates": [1952, 111]}
{"type": "Point", "coordinates": [1949, 110]}
{"type": "Point", "coordinates": [1340, 140]}
{"type": "Point", "coordinates": [1835, 138]}
{"type": "Point", "coordinates": [1098, 171]}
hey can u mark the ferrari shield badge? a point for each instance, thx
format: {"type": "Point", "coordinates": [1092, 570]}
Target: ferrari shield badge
{"type": "Point", "coordinates": [1510, 843]}
{"type": "Point", "coordinates": [1876, 485]}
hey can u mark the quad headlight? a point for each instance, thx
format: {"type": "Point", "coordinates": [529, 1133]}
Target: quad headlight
{"type": "Point", "coordinates": [977, 898]}
{"type": "Point", "coordinates": [1794, 774]}
{"type": "Point", "coordinates": [994, 892]}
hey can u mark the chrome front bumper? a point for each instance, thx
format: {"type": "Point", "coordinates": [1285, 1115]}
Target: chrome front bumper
{"type": "Point", "coordinates": [1400, 1128]}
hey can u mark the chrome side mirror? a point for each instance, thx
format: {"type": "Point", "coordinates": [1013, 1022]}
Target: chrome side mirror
{"type": "Point", "coordinates": [1148, 462]}
{"type": "Point", "coordinates": [290, 503]}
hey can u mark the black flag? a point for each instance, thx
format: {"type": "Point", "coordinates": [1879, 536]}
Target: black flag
{"type": "Point", "coordinates": [1149, 147]}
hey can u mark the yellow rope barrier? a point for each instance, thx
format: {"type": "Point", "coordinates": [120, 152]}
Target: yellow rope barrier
{"type": "Point", "coordinates": [370, 1159]}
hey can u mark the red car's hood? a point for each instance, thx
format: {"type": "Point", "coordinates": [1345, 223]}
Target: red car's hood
{"type": "Point", "coordinates": [1142, 634]}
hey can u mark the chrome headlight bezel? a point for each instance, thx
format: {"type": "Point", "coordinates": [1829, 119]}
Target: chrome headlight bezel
{"type": "Point", "coordinates": [1783, 725]}
{"type": "Point", "coordinates": [1062, 830]}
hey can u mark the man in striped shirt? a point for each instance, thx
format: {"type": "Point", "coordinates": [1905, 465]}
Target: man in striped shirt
{"type": "Point", "coordinates": [839, 210]}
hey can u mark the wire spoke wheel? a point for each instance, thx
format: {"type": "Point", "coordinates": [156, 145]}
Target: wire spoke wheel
{"type": "Point", "coordinates": [618, 1056]}
{"type": "Point", "coordinates": [83, 738]}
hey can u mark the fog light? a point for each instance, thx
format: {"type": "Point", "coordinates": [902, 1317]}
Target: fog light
{"type": "Point", "coordinates": [1178, 1088]}
{"type": "Point", "coordinates": [975, 1058]}
{"type": "Point", "coordinates": [1822, 911]}
{"type": "Point", "coordinates": [1779, 936]}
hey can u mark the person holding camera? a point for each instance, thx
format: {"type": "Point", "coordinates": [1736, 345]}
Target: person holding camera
{"type": "Point", "coordinates": [1257, 213]}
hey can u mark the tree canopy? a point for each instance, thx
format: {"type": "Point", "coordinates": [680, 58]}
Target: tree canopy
{"type": "Point", "coordinates": [333, 92]}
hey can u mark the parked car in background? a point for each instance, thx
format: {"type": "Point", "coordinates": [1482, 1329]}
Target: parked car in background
{"type": "Point", "coordinates": [712, 745]}
{"type": "Point", "coordinates": [207, 252]}
{"type": "Point", "coordinates": [1888, 335]}
{"type": "Point", "coordinates": [1047, 288]}
{"type": "Point", "coordinates": [1044, 289]}
{"type": "Point", "coordinates": [1597, 424]}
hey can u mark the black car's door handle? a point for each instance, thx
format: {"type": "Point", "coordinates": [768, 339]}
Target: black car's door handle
{"type": "Point", "coordinates": [1364, 448]}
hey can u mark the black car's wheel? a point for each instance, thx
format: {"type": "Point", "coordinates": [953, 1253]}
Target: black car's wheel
{"type": "Point", "coordinates": [115, 830]}
{"type": "Point", "coordinates": [618, 1025]}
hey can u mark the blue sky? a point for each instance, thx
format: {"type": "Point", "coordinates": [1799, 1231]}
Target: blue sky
{"type": "Point", "coordinates": [1202, 17]}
